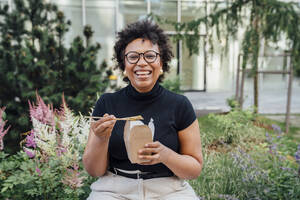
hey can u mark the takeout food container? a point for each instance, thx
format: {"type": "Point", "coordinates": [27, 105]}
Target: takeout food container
{"type": "Point", "coordinates": [136, 135]}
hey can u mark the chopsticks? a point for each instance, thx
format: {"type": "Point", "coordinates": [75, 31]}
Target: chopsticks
{"type": "Point", "coordinates": [133, 118]}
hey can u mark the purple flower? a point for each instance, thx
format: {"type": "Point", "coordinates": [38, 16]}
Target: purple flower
{"type": "Point", "coordinates": [38, 171]}
{"type": "Point", "coordinates": [276, 128]}
{"type": "Point", "coordinates": [30, 140]}
{"type": "Point", "coordinates": [29, 153]}
{"type": "Point", "coordinates": [3, 131]}
{"type": "Point", "coordinates": [297, 155]}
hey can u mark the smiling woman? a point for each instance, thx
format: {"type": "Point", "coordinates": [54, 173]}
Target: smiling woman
{"type": "Point", "coordinates": [142, 53]}
{"type": "Point", "coordinates": [142, 72]}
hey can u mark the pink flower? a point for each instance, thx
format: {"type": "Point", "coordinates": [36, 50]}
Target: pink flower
{"type": "Point", "coordinates": [2, 130]}
{"type": "Point", "coordinates": [62, 110]}
{"type": "Point", "coordinates": [29, 153]}
{"type": "Point", "coordinates": [72, 177]}
{"type": "Point", "coordinates": [60, 150]}
{"type": "Point", "coordinates": [42, 112]}
{"type": "Point", "coordinates": [30, 140]}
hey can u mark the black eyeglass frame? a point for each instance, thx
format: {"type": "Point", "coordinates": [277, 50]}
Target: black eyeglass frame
{"type": "Point", "coordinates": [156, 53]}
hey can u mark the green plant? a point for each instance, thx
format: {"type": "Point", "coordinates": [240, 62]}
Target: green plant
{"type": "Point", "coordinates": [172, 85]}
{"type": "Point", "coordinates": [34, 57]}
{"type": "Point", "coordinates": [233, 103]}
{"type": "Point", "coordinates": [231, 128]}
{"type": "Point", "coordinates": [266, 21]}
{"type": "Point", "coordinates": [49, 166]}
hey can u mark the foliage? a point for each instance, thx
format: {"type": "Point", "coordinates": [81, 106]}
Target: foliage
{"type": "Point", "coordinates": [231, 128]}
{"type": "Point", "coordinates": [49, 165]}
{"type": "Point", "coordinates": [253, 166]}
{"type": "Point", "coordinates": [267, 22]}
{"type": "Point", "coordinates": [3, 131]}
{"type": "Point", "coordinates": [172, 85]}
{"type": "Point", "coordinates": [33, 57]}
{"type": "Point", "coordinates": [250, 169]}
{"type": "Point", "coordinates": [233, 103]}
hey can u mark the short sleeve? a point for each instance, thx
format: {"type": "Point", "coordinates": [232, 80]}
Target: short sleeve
{"type": "Point", "coordinates": [100, 109]}
{"type": "Point", "coordinates": [185, 114]}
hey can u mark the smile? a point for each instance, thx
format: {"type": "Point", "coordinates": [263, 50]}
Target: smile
{"type": "Point", "coordinates": [143, 73]}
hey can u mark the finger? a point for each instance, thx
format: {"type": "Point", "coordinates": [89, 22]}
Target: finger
{"type": "Point", "coordinates": [151, 158]}
{"type": "Point", "coordinates": [105, 125]}
{"type": "Point", "coordinates": [152, 144]}
{"type": "Point", "coordinates": [148, 151]}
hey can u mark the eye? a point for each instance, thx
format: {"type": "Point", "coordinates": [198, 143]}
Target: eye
{"type": "Point", "coordinates": [133, 57]}
{"type": "Point", "coordinates": [150, 56]}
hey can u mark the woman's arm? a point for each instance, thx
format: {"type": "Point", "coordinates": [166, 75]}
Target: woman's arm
{"type": "Point", "coordinates": [187, 164]}
{"type": "Point", "coordinates": [95, 157]}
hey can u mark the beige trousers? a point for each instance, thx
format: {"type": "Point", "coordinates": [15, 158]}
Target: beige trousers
{"type": "Point", "coordinates": [115, 187]}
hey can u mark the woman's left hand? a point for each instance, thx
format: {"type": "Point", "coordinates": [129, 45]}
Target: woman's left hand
{"type": "Point", "coordinates": [154, 153]}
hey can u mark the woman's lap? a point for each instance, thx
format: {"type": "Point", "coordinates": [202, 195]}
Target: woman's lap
{"type": "Point", "coordinates": [115, 187]}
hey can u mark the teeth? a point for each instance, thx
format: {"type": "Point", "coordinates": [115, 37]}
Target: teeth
{"type": "Point", "coordinates": [143, 72]}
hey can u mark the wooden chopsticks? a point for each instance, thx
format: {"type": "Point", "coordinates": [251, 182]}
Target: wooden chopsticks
{"type": "Point", "coordinates": [133, 118]}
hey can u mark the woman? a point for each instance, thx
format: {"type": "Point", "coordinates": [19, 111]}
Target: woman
{"type": "Point", "coordinates": [142, 52]}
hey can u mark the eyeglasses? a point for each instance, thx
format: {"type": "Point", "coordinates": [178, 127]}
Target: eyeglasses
{"type": "Point", "coordinates": [149, 56]}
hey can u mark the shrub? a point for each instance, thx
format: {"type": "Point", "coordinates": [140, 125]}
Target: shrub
{"type": "Point", "coordinates": [34, 57]}
{"type": "Point", "coordinates": [231, 128]}
{"type": "Point", "coordinates": [172, 85]}
{"type": "Point", "coordinates": [49, 165]}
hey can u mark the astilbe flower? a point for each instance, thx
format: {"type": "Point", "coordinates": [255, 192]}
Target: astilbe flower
{"type": "Point", "coordinates": [3, 131]}
{"type": "Point", "coordinates": [41, 111]}
{"type": "Point", "coordinates": [72, 177]}
{"type": "Point", "coordinates": [30, 153]}
{"type": "Point", "coordinates": [30, 141]}
{"type": "Point", "coordinates": [38, 171]}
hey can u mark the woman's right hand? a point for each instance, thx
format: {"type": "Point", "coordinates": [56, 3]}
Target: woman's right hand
{"type": "Point", "coordinates": [103, 127]}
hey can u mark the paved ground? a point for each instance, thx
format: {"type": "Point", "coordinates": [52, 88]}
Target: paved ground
{"type": "Point", "coordinates": [272, 102]}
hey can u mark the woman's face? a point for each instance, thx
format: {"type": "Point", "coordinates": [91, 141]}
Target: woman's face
{"type": "Point", "coordinates": [142, 74]}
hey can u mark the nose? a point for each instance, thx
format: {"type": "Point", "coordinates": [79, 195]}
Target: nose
{"type": "Point", "coordinates": [142, 60]}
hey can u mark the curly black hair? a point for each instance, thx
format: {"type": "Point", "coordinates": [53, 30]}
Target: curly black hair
{"type": "Point", "coordinates": [145, 29]}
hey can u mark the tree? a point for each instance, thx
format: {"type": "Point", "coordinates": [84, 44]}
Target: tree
{"type": "Point", "coordinates": [34, 58]}
{"type": "Point", "coordinates": [270, 20]}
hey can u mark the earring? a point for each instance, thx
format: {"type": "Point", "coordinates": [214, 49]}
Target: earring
{"type": "Point", "coordinates": [124, 73]}
{"type": "Point", "coordinates": [161, 72]}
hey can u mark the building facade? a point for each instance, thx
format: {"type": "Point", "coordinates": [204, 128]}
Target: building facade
{"type": "Point", "coordinates": [211, 72]}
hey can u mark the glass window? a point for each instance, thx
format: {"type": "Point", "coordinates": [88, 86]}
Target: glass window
{"type": "Point", "coordinates": [101, 16]}
{"type": "Point", "coordinates": [191, 10]}
{"type": "Point", "coordinates": [174, 61]}
{"type": "Point", "coordinates": [73, 11]}
{"type": "Point", "coordinates": [3, 2]}
{"type": "Point", "coordinates": [166, 10]}
{"type": "Point", "coordinates": [131, 11]}
{"type": "Point", "coordinates": [192, 71]}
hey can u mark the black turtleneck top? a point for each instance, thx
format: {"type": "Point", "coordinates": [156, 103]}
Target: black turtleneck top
{"type": "Point", "coordinates": [170, 113]}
